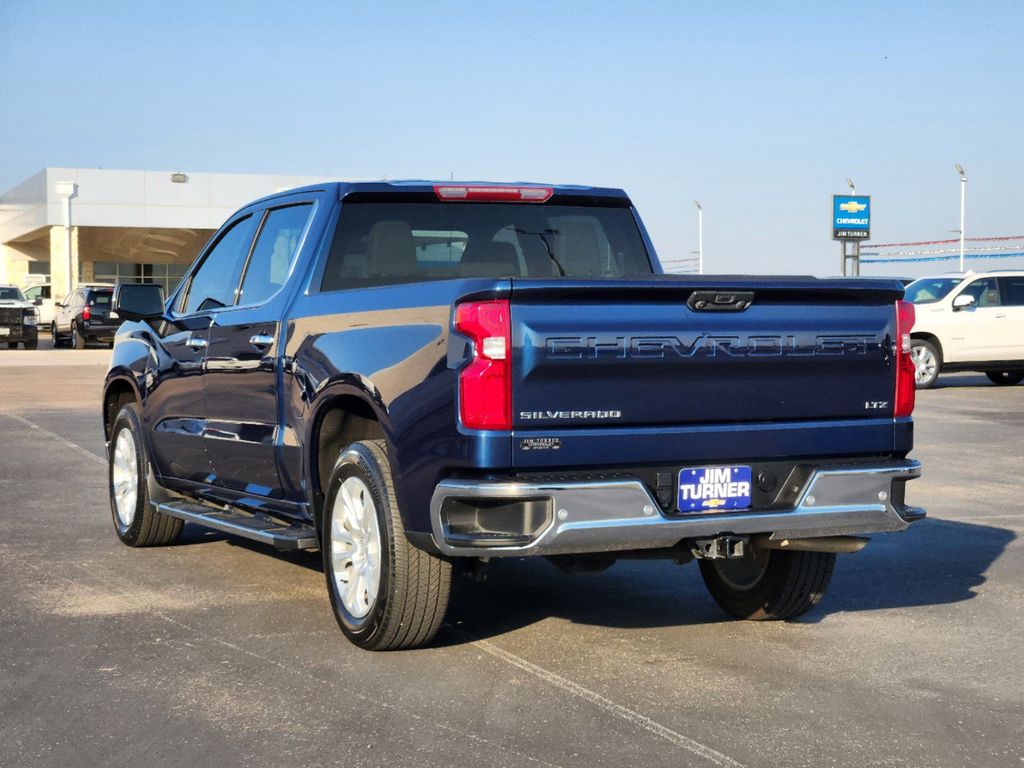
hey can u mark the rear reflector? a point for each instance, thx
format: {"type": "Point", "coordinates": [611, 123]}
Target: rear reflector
{"type": "Point", "coordinates": [905, 369]}
{"type": "Point", "coordinates": [493, 194]}
{"type": "Point", "coordinates": [485, 385]}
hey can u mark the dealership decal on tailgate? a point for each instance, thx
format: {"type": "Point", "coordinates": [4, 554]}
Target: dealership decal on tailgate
{"type": "Point", "coordinates": [714, 488]}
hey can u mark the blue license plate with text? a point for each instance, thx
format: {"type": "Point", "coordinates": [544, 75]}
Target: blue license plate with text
{"type": "Point", "coordinates": [712, 489]}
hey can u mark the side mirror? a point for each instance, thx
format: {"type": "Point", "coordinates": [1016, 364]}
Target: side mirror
{"type": "Point", "coordinates": [38, 301]}
{"type": "Point", "coordinates": [963, 301]}
{"type": "Point", "coordinates": [139, 301]}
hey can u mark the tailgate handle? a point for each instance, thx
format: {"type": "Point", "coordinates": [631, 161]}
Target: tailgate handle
{"type": "Point", "coordinates": [720, 301]}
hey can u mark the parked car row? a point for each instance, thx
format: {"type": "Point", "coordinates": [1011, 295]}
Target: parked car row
{"type": "Point", "coordinates": [83, 316]}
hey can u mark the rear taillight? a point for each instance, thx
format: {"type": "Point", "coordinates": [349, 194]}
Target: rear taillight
{"type": "Point", "coordinates": [905, 369]}
{"type": "Point", "coordinates": [485, 385]}
{"type": "Point", "coordinates": [86, 313]}
{"type": "Point", "coordinates": [493, 194]}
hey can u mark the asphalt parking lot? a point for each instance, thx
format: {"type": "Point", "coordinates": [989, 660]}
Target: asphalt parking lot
{"type": "Point", "coordinates": [217, 651]}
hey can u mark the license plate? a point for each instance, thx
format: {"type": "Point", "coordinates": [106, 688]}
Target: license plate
{"type": "Point", "coordinates": [710, 489]}
{"type": "Point", "coordinates": [5, 331]}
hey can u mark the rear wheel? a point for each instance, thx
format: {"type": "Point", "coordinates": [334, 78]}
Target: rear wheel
{"type": "Point", "coordinates": [927, 363]}
{"type": "Point", "coordinates": [386, 594]}
{"type": "Point", "coordinates": [770, 584]}
{"type": "Point", "coordinates": [1005, 378]}
{"type": "Point", "coordinates": [137, 522]}
{"type": "Point", "coordinates": [77, 339]}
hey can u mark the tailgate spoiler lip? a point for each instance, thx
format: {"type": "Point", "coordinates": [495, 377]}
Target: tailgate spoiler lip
{"type": "Point", "coordinates": [674, 285]}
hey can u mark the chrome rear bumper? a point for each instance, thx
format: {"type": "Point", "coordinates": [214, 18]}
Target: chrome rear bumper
{"type": "Point", "coordinates": [610, 515]}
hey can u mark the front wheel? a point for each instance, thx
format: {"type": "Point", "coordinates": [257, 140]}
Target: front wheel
{"type": "Point", "coordinates": [1005, 378]}
{"type": "Point", "coordinates": [137, 522]}
{"type": "Point", "coordinates": [386, 594]}
{"type": "Point", "coordinates": [770, 584]}
{"type": "Point", "coordinates": [926, 363]}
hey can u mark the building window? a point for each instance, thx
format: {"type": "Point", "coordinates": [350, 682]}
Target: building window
{"type": "Point", "coordinates": [167, 275]}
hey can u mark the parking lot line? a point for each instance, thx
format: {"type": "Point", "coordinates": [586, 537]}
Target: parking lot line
{"type": "Point", "coordinates": [574, 688]}
{"type": "Point", "coordinates": [60, 439]}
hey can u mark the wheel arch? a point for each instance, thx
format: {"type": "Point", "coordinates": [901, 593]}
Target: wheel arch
{"type": "Point", "coordinates": [341, 419]}
{"type": "Point", "coordinates": [117, 391]}
{"type": "Point", "coordinates": [932, 339]}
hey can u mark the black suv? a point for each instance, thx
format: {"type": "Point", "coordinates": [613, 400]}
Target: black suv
{"type": "Point", "coordinates": [83, 316]}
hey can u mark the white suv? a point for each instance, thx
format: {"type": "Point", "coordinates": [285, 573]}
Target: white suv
{"type": "Point", "coordinates": [972, 322]}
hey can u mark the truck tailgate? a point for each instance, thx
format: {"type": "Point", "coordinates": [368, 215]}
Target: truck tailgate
{"type": "Point", "coordinates": [811, 359]}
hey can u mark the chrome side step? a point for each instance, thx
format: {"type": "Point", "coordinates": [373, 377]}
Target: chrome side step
{"type": "Point", "coordinates": [255, 526]}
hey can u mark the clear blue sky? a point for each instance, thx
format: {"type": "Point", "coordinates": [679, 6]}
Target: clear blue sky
{"type": "Point", "coordinates": [760, 110]}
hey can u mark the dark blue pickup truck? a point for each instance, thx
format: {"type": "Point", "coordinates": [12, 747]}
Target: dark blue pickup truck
{"type": "Point", "coordinates": [415, 377]}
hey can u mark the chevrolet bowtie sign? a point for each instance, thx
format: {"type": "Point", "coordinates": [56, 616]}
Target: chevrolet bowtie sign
{"type": "Point", "coordinates": [851, 217]}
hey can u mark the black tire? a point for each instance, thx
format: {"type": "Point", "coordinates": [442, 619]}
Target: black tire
{"type": "Point", "coordinates": [413, 586]}
{"type": "Point", "coordinates": [12, 345]}
{"type": "Point", "coordinates": [772, 585]}
{"type": "Point", "coordinates": [147, 527]}
{"type": "Point", "coordinates": [55, 337]}
{"type": "Point", "coordinates": [30, 345]}
{"type": "Point", "coordinates": [920, 347]}
{"type": "Point", "coordinates": [1005, 378]}
{"type": "Point", "coordinates": [77, 339]}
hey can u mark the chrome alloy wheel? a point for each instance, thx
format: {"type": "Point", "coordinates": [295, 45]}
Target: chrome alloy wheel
{"type": "Point", "coordinates": [926, 367]}
{"type": "Point", "coordinates": [125, 477]}
{"type": "Point", "coordinates": [355, 547]}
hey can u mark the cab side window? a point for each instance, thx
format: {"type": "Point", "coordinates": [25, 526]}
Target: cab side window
{"type": "Point", "coordinates": [984, 291]}
{"type": "Point", "coordinates": [215, 282]}
{"type": "Point", "coordinates": [274, 252]}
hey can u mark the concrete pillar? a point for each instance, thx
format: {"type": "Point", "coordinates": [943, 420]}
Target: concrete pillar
{"type": "Point", "coordinates": [62, 281]}
{"type": "Point", "coordinates": [17, 271]}
{"type": "Point", "coordinates": [88, 271]}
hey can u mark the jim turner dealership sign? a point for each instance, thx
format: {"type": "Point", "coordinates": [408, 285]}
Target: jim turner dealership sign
{"type": "Point", "coordinates": [851, 217]}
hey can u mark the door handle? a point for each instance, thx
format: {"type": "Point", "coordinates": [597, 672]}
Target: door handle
{"type": "Point", "coordinates": [196, 343]}
{"type": "Point", "coordinates": [261, 340]}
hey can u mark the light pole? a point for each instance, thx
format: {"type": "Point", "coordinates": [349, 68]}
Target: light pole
{"type": "Point", "coordinates": [700, 238]}
{"type": "Point", "coordinates": [853, 189]}
{"type": "Point", "coordinates": [963, 195]}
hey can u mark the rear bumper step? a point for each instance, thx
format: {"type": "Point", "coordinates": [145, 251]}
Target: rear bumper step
{"type": "Point", "coordinates": [621, 514]}
{"type": "Point", "coordinates": [251, 526]}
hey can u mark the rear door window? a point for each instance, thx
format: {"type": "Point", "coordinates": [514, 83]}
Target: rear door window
{"type": "Point", "coordinates": [275, 250]}
{"type": "Point", "coordinates": [388, 243]}
{"type": "Point", "coordinates": [1012, 291]}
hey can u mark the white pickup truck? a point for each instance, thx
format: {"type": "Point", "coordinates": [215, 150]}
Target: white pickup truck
{"type": "Point", "coordinates": [969, 322]}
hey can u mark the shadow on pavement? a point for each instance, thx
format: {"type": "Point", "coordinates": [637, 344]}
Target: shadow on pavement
{"type": "Point", "coordinates": [936, 562]}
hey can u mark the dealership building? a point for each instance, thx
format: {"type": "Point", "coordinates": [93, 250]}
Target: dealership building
{"type": "Point", "coordinates": [66, 226]}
